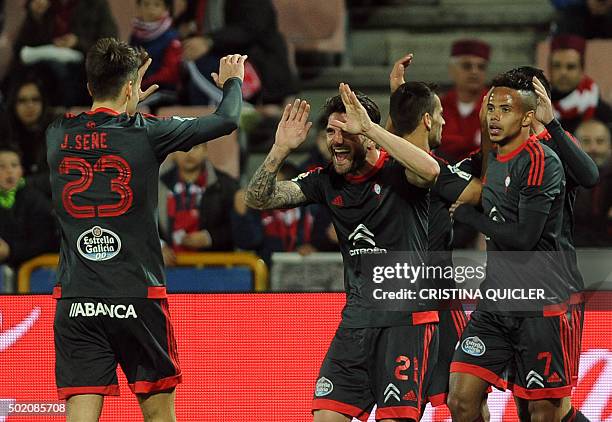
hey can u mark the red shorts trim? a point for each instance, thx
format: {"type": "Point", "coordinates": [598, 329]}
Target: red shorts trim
{"type": "Point", "coordinates": [57, 292]}
{"type": "Point", "coordinates": [576, 298]}
{"type": "Point", "coordinates": [541, 393]}
{"type": "Point", "coordinates": [65, 393]}
{"type": "Point", "coordinates": [438, 399]}
{"type": "Point", "coordinates": [555, 310]}
{"type": "Point", "coordinates": [479, 372]}
{"type": "Point", "coordinates": [157, 292]}
{"type": "Point", "coordinates": [144, 387]}
{"type": "Point", "coordinates": [404, 412]}
{"type": "Point", "coordinates": [337, 406]}
{"type": "Point", "coordinates": [426, 317]}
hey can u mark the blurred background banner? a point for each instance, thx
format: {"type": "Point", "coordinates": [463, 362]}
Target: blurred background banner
{"type": "Point", "coordinates": [248, 357]}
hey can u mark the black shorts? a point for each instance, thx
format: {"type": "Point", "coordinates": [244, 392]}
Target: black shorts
{"type": "Point", "coordinates": [389, 367]}
{"type": "Point", "coordinates": [537, 349]}
{"type": "Point", "coordinates": [575, 315]}
{"type": "Point", "coordinates": [93, 335]}
{"type": "Point", "coordinates": [451, 326]}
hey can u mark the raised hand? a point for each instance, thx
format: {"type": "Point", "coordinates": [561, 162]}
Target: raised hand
{"type": "Point", "coordinates": [544, 112]}
{"type": "Point", "coordinates": [141, 72]}
{"type": "Point", "coordinates": [231, 66]}
{"type": "Point", "coordinates": [396, 77]}
{"type": "Point", "coordinates": [357, 119]}
{"type": "Point", "coordinates": [293, 126]}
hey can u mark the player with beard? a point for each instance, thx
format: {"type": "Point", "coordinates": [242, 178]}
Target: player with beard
{"type": "Point", "coordinates": [409, 102]}
{"type": "Point", "coordinates": [523, 194]}
{"type": "Point", "coordinates": [377, 356]}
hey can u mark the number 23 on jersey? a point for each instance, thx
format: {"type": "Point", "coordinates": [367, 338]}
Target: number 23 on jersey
{"type": "Point", "coordinates": [119, 185]}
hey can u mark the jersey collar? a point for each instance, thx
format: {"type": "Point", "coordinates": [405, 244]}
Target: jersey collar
{"type": "Point", "coordinates": [382, 157]}
{"type": "Point", "coordinates": [502, 158]}
{"type": "Point", "coordinates": [103, 110]}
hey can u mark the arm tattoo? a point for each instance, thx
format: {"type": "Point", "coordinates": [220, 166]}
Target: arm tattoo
{"type": "Point", "coordinates": [264, 193]}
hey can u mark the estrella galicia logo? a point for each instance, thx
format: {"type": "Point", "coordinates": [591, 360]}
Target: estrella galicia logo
{"type": "Point", "coordinates": [323, 387]}
{"type": "Point", "coordinates": [98, 244]}
{"type": "Point", "coordinates": [473, 346]}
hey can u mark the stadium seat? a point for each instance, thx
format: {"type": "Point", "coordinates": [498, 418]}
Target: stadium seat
{"type": "Point", "coordinates": [223, 153]}
{"type": "Point", "coordinates": [316, 25]}
{"type": "Point", "coordinates": [598, 62]}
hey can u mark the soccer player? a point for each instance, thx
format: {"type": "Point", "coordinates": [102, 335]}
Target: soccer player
{"type": "Point", "coordinates": [580, 171]}
{"type": "Point", "coordinates": [523, 202]}
{"type": "Point", "coordinates": [377, 356]}
{"type": "Point", "coordinates": [409, 102]}
{"type": "Point", "coordinates": [112, 306]}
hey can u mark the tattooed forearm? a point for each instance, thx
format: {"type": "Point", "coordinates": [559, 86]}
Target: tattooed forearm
{"type": "Point", "coordinates": [264, 192]}
{"type": "Point", "coordinates": [262, 184]}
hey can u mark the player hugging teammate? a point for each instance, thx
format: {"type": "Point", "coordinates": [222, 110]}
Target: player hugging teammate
{"type": "Point", "coordinates": [387, 189]}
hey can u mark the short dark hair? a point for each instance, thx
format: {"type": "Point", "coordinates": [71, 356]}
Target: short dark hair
{"type": "Point", "coordinates": [520, 82]}
{"type": "Point", "coordinates": [13, 94]}
{"type": "Point", "coordinates": [408, 105]}
{"type": "Point", "coordinates": [110, 63]}
{"type": "Point", "coordinates": [11, 147]}
{"type": "Point", "coordinates": [530, 72]}
{"type": "Point", "coordinates": [335, 105]}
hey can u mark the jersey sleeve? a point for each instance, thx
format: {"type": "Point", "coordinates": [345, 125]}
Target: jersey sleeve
{"type": "Point", "coordinates": [453, 179]}
{"type": "Point", "coordinates": [167, 135]}
{"type": "Point", "coordinates": [312, 185]}
{"type": "Point", "coordinates": [542, 179]}
{"type": "Point", "coordinates": [581, 169]}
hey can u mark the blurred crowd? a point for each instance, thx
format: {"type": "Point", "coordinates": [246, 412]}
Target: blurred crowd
{"type": "Point", "coordinates": [201, 207]}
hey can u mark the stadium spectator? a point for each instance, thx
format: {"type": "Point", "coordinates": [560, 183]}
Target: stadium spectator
{"type": "Point", "coordinates": [211, 28]}
{"type": "Point", "coordinates": [153, 30]}
{"type": "Point", "coordinates": [54, 38]}
{"type": "Point", "coordinates": [461, 105]}
{"type": "Point", "coordinates": [197, 199]}
{"type": "Point", "coordinates": [594, 206]}
{"type": "Point", "coordinates": [576, 97]}
{"type": "Point", "coordinates": [282, 230]}
{"type": "Point", "coordinates": [27, 227]}
{"type": "Point", "coordinates": [589, 18]}
{"type": "Point", "coordinates": [24, 124]}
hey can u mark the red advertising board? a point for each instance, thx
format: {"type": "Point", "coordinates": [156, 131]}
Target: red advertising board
{"type": "Point", "coordinates": [247, 357]}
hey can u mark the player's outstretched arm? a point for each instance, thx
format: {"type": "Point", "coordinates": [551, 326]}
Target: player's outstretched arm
{"type": "Point", "coordinates": [581, 167]}
{"type": "Point", "coordinates": [396, 79]}
{"type": "Point", "coordinates": [263, 191]}
{"type": "Point", "coordinates": [229, 79]}
{"type": "Point", "coordinates": [530, 226]}
{"type": "Point", "coordinates": [421, 169]}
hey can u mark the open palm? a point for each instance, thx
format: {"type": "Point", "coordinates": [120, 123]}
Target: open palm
{"type": "Point", "coordinates": [293, 128]}
{"type": "Point", "coordinates": [357, 119]}
{"type": "Point", "coordinates": [544, 111]}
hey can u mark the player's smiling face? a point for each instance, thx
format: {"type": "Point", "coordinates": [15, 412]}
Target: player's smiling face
{"type": "Point", "coordinates": [348, 151]}
{"type": "Point", "coordinates": [504, 115]}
